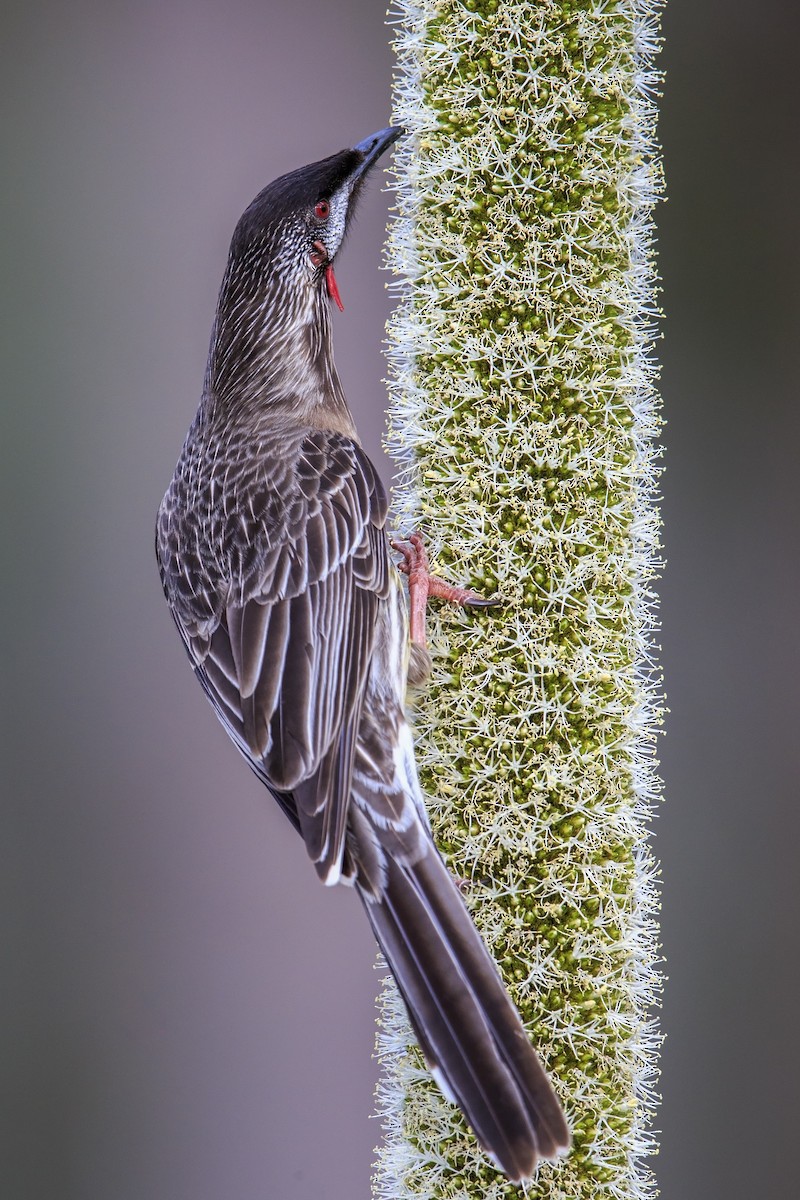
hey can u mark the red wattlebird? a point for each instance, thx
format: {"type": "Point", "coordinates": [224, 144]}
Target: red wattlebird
{"type": "Point", "coordinates": [277, 570]}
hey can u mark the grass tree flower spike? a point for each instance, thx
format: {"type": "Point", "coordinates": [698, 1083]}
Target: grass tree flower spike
{"type": "Point", "coordinates": [525, 417]}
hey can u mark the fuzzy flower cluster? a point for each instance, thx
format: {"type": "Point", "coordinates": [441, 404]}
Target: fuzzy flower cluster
{"type": "Point", "coordinates": [525, 416]}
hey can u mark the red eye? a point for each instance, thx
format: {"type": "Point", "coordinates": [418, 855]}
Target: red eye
{"type": "Point", "coordinates": [322, 210]}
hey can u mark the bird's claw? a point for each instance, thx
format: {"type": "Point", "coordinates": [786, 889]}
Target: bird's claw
{"type": "Point", "coordinates": [422, 585]}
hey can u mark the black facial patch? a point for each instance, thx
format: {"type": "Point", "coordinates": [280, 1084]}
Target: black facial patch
{"type": "Point", "coordinates": [293, 192]}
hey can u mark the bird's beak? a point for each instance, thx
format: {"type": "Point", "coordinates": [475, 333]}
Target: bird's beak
{"type": "Point", "coordinates": [372, 148]}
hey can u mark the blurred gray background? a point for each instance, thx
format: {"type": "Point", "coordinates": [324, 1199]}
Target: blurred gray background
{"type": "Point", "coordinates": [186, 1014]}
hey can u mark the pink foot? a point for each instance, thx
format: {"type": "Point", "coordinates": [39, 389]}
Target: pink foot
{"type": "Point", "coordinates": [421, 585]}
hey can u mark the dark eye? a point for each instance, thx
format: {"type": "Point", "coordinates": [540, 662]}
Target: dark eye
{"type": "Point", "coordinates": [322, 210]}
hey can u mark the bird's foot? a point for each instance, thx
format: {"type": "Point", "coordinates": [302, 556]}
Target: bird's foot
{"type": "Point", "coordinates": [422, 585]}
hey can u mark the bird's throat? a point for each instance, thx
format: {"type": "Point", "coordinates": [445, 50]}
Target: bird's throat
{"type": "Point", "coordinates": [279, 361]}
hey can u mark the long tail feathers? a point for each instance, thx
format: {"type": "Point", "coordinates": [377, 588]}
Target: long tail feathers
{"type": "Point", "coordinates": [467, 1027]}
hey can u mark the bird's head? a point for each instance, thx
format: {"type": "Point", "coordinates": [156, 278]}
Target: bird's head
{"type": "Point", "coordinates": [290, 234]}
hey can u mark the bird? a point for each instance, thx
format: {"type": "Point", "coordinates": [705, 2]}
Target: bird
{"type": "Point", "coordinates": [278, 571]}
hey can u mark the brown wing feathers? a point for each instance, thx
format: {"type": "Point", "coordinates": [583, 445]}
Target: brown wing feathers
{"type": "Point", "coordinates": [286, 667]}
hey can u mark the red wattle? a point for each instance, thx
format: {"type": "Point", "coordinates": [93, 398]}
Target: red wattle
{"type": "Point", "coordinates": [333, 290]}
